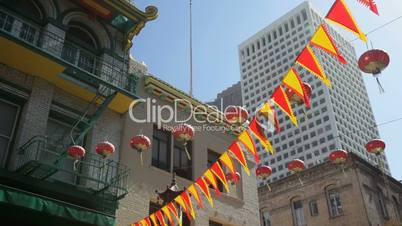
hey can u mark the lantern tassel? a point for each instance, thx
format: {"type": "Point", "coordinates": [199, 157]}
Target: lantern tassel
{"type": "Point", "coordinates": [188, 153]}
{"type": "Point", "coordinates": [75, 164]}
{"type": "Point", "coordinates": [269, 188]}
{"type": "Point", "coordinates": [141, 159]}
{"type": "Point", "coordinates": [382, 90]}
{"type": "Point", "coordinates": [301, 182]}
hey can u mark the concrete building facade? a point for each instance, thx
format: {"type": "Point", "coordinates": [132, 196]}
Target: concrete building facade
{"type": "Point", "coordinates": [66, 78]}
{"type": "Point", "coordinates": [229, 96]}
{"type": "Point", "coordinates": [354, 194]}
{"type": "Point", "coordinates": [340, 117]}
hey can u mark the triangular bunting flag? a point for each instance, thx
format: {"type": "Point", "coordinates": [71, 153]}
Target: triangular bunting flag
{"type": "Point", "coordinates": [148, 221]}
{"type": "Point", "coordinates": [341, 15]}
{"type": "Point", "coordinates": [183, 206]}
{"type": "Point", "coordinates": [309, 61]}
{"type": "Point", "coordinates": [280, 98]}
{"type": "Point", "coordinates": [203, 186]}
{"type": "Point", "coordinates": [153, 219]}
{"type": "Point", "coordinates": [166, 211]}
{"type": "Point", "coordinates": [270, 114]}
{"type": "Point", "coordinates": [227, 162]}
{"type": "Point", "coordinates": [248, 142]}
{"type": "Point", "coordinates": [322, 39]}
{"type": "Point", "coordinates": [257, 130]}
{"type": "Point", "coordinates": [193, 191]}
{"type": "Point", "coordinates": [160, 218]}
{"type": "Point", "coordinates": [189, 203]}
{"type": "Point", "coordinates": [210, 178]}
{"type": "Point", "coordinates": [371, 5]}
{"type": "Point", "coordinates": [136, 224]}
{"type": "Point", "coordinates": [172, 207]}
{"type": "Point", "coordinates": [218, 171]}
{"type": "Point", "coordinates": [293, 82]}
{"type": "Point", "coordinates": [239, 155]}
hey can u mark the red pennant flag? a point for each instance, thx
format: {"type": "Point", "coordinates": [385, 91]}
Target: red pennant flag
{"type": "Point", "coordinates": [218, 171]}
{"type": "Point", "coordinates": [189, 204]}
{"type": "Point", "coordinates": [371, 5]}
{"type": "Point", "coordinates": [270, 114]}
{"type": "Point", "coordinates": [257, 130]}
{"type": "Point", "coordinates": [172, 207]}
{"type": "Point", "coordinates": [210, 178]}
{"type": "Point", "coordinates": [323, 40]}
{"type": "Point", "coordinates": [341, 15]}
{"type": "Point", "coordinates": [148, 221]}
{"type": "Point", "coordinates": [160, 218]}
{"type": "Point", "coordinates": [309, 61]}
{"type": "Point", "coordinates": [200, 182]}
{"type": "Point", "coordinates": [239, 155]}
{"type": "Point", "coordinates": [280, 98]}
{"type": "Point", "coordinates": [228, 163]}
{"type": "Point", "coordinates": [179, 200]}
{"type": "Point", "coordinates": [248, 142]}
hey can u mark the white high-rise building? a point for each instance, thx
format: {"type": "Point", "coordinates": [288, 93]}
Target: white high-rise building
{"type": "Point", "coordinates": [340, 117]}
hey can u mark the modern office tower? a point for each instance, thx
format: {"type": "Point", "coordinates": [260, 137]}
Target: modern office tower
{"type": "Point", "coordinates": [340, 117]}
{"type": "Point", "coordinates": [229, 96]}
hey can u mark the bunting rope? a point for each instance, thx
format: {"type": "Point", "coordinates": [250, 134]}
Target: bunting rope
{"type": "Point", "coordinates": [338, 14]}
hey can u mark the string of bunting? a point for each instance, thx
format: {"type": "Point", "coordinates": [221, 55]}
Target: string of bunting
{"type": "Point", "coordinates": [338, 14]}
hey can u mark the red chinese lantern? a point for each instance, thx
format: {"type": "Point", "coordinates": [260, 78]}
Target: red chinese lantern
{"type": "Point", "coordinates": [375, 146]}
{"type": "Point", "coordinates": [374, 62]}
{"type": "Point", "coordinates": [338, 157]}
{"type": "Point", "coordinates": [233, 178]}
{"type": "Point", "coordinates": [296, 166]}
{"type": "Point", "coordinates": [76, 152]}
{"type": "Point", "coordinates": [236, 115]}
{"type": "Point", "coordinates": [140, 143]}
{"type": "Point", "coordinates": [184, 133]}
{"type": "Point", "coordinates": [263, 172]}
{"type": "Point", "coordinates": [295, 98]}
{"type": "Point", "coordinates": [105, 149]}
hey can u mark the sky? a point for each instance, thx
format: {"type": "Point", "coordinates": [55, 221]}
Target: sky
{"type": "Point", "coordinates": [220, 26]}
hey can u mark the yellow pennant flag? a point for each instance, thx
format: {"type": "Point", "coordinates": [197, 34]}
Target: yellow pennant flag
{"type": "Point", "coordinates": [247, 141]}
{"type": "Point", "coordinates": [210, 177]}
{"type": "Point", "coordinates": [227, 162]}
{"type": "Point", "coordinates": [193, 191]}
{"type": "Point", "coordinates": [166, 211]}
{"type": "Point", "coordinates": [153, 219]}
{"type": "Point", "coordinates": [292, 81]}
{"type": "Point", "coordinates": [323, 40]}
{"type": "Point", "coordinates": [179, 200]}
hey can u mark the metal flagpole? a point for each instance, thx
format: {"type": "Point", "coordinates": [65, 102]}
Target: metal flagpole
{"type": "Point", "coordinates": [191, 50]}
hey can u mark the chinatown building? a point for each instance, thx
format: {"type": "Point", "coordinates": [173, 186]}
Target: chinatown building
{"type": "Point", "coordinates": [351, 193]}
{"type": "Point", "coordinates": [69, 93]}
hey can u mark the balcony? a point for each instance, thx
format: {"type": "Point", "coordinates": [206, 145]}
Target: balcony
{"type": "Point", "coordinates": [32, 49]}
{"type": "Point", "coordinates": [96, 184]}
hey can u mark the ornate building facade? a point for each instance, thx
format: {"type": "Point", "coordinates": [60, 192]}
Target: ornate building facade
{"type": "Point", "coordinates": [354, 194]}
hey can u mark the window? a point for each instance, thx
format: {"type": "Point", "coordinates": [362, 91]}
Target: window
{"type": "Point", "coordinates": [212, 158]}
{"type": "Point", "coordinates": [313, 208]}
{"type": "Point", "coordinates": [8, 117]}
{"type": "Point", "coordinates": [182, 166]}
{"type": "Point", "coordinates": [266, 219]}
{"type": "Point", "coordinates": [161, 149]}
{"type": "Point", "coordinates": [382, 205]}
{"type": "Point", "coordinates": [334, 203]}
{"type": "Point", "coordinates": [298, 214]}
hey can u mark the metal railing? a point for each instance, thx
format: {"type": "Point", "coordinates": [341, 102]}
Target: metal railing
{"type": "Point", "coordinates": [99, 69]}
{"type": "Point", "coordinates": [96, 175]}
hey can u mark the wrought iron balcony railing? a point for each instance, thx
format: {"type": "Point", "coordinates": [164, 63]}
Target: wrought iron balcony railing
{"type": "Point", "coordinates": [95, 175]}
{"type": "Point", "coordinates": [96, 70]}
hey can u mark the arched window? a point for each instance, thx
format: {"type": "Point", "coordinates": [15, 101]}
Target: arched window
{"type": "Point", "coordinates": [80, 48]}
{"type": "Point", "coordinates": [298, 212]}
{"type": "Point", "coordinates": [334, 201]}
{"type": "Point", "coordinates": [266, 218]}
